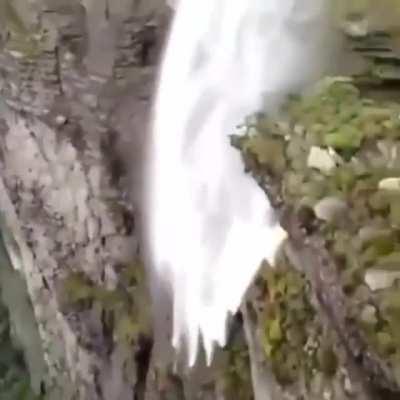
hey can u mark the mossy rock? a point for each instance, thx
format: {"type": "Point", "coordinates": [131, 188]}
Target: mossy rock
{"type": "Point", "coordinates": [293, 338]}
{"type": "Point", "coordinates": [122, 306]}
{"type": "Point", "coordinates": [338, 155]}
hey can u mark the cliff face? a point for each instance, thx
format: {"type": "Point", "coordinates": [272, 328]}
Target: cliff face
{"type": "Point", "coordinates": [76, 80]}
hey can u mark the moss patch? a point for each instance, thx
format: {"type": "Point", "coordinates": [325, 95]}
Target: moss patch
{"type": "Point", "coordinates": [121, 306]}
{"type": "Point", "coordinates": [292, 337]}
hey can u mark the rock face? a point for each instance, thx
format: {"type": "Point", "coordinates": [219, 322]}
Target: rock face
{"type": "Point", "coordinates": [75, 84]}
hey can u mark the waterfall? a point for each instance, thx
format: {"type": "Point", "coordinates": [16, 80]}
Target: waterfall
{"type": "Point", "coordinates": [208, 225]}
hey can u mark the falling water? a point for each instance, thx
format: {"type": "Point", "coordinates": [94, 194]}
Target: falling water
{"type": "Point", "coordinates": [208, 224]}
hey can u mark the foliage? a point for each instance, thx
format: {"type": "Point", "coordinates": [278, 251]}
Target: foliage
{"type": "Point", "coordinates": [14, 376]}
{"type": "Point", "coordinates": [340, 158]}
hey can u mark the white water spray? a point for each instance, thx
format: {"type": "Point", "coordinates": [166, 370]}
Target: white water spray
{"type": "Point", "coordinates": [208, 224]}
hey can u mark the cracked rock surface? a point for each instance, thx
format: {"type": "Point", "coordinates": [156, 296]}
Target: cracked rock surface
{"type": "Point", "coordinates": [75, 82]}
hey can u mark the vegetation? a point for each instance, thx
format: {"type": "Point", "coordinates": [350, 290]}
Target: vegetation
{"type": "Point", "coordinates": [337, 160]}
{"type": "Point", "coordinates": [14, 376]}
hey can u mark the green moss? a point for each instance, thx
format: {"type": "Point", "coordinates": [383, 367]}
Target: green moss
{"type": "Point", "coordinates": [20, 38]}
{"type": "Point", "coordinates": [122, 304]}
{"type": "Point", "coordinates": [127, 328]}
{"type": "Point", "coordinates": [362, 139]}
{"type": "Point", "coordinates": [267, 151]}
{"type": "Point", "coordinates": [77, 288]}
{"type": "Point", "coordinates": [237, 383]}
{"type": "Point", "coordinates": [346, 138]}
{"type": "Point", "coordinates": [291, 334]}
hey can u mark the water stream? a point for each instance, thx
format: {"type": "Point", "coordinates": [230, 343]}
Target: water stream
{"type": "Point", "coordinates": [208, 224]}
